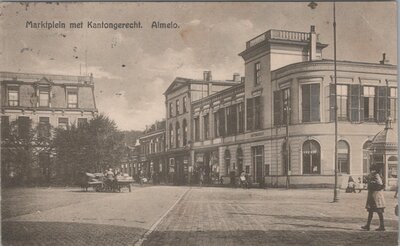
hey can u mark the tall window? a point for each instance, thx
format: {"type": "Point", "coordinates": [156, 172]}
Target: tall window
{"type": "Point", "coordinates": [177, 107]}
{"type": "Point", "coordinates": [341, 91]}
{"type": "Point", "coordinates": [13, 96]}
{"type": "Point", "coordinates": [232, 120]}
{"type": "Point", "coordinates": [44, 96]}
{"type": "Point", "coordinates": [216, 124]}
{"type": "Point", "coordinates": [240, 117]}
{"type": "Point", "coordinates": [393, 103]}
{"type": "Point", "coordinates": [63, 123]}
{"type": "Point", "coordinates": [197, 129]}
{"type": "Point", "coordinates": [311, 157]}
{"type": "Point", "coordinates": [257, 73]}
{"type": "Point", "coordinates": [369, 103]}
{"type": "Point", "coordinates": [44, 127]}
{"type": "Point", "coordinates": [310, 102]}
{"type": "Point", "coordinates": [356, 110]}
{"type": "Point", "coordinates": [171, 136]}
{"type": "Point", "coordinates": [206, 124]}
{"type": "Point", "coordinates": [184, 132]}
{"type": "Point", "coordinates": [171, 109]}
{"type": "Point", "coordinates": [366, 157]}
{"type": "Point", "coordinates": [72, 99]}
{"type": "Point", "coordinates": [285, 159]}
{"type": "Point", "coordinates": [221, 116]}
{"type": "Point", "coordinates": [281, 107]}
{"type": "Point", "coordinates": [178, 135]}
{"type": "Point", "coordinates": [184, 104]}
{"type": "Point", "coordinates": [24, 125]}
{"type": "Point", "coordinates": [257, 158]}
{"type": "Point", "coordinates": [343, 157]}
{"type": "Point", "coordinates": [254, 113]}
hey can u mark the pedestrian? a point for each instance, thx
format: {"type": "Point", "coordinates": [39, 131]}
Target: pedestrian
{"type": "Point", "coordinates": [243, 180]}
{"type": "Point", "coordinates": [351, 185]}
{"type": "Point", "coordinates": [375, 200]}
{"type": "Point", "coordinates": [201, 178]}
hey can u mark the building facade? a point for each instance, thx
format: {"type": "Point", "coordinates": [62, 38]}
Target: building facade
{"type": "Point", "coordinates": [277, 123]}
{"type": "Point", "coordinates": [44, 102]}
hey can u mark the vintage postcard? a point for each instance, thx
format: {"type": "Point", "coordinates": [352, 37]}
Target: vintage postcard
{"type": "Point", "coordinates": [199, 123]}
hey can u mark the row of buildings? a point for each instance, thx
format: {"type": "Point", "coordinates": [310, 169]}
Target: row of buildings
{"type": "Point", "coordinates": [276, 123]}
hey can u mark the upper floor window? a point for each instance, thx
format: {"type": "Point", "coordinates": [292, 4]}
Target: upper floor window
{"type": "Point", "coordinates": [393, 103]}
{"type": "Point", "coordinates": [184, 132]}
{"type": "Point", "coordinates": [177, 107]}
{"type": "Point", "coordinates": [197, 129]}
{"type": "Point", "coordinates": [171, 136]}
{"type": "Point", "coordinates": [206, 121]}
{"type": "Point", "coordinates": [240, 108]}
{"type": "Point", "coordinates": [369, 103]}
{"type": "Point", "coordinates": [184, 104]}
{"type": "Point", "coordinates": [24, 125]}
{"type": "Point", "coordinates": [171, 109]}
{"type": "Point", "coordinates": [13, 96]}
{"type": "Point", "coordinates": [72, 99]}
{"type": "Point", "coordinates": [310, 102]}
{"type": "Point", "coordinates": [178, 135]}
{"type": "Point", "coordinates": [44, 97]}
{"type": "Point", "coordinates": [254, 113]}
{"type": "Point", "coordinates": [341, 100]}
{"type": "Point", "coordinates": [257, 73]}
{"type": "Point", "coordinates": [216, 124]}
{"type": "Point", "coordinates": [281, 107]}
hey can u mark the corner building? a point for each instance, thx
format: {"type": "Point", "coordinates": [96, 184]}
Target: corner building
{"type": "Point", "coordinates": [278, 123]}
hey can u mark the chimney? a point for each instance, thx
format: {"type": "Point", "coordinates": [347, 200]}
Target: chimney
{"type": "Point", "coordinates": [236, 77]}
{"type": "Point", "coordinates": [207, 76]}
{"type": "Point", "coordinates": [313, 44]}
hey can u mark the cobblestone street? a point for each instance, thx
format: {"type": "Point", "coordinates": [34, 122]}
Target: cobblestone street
{"type": "Point", "coordinates": [190, 216]}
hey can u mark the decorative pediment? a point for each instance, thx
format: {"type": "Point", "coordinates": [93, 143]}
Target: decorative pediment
{"type": "Point", "coordinates": [44, 81]}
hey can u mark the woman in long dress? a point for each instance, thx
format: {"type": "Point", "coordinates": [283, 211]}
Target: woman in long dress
{"type": "Point", "coordinates": [375, 199]}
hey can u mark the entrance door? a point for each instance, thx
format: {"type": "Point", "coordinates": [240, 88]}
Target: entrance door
{"type": "Point", "coordinates": [258, 162]}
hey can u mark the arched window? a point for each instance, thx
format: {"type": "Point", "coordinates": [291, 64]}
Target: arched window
{"type": "Point", "coordinates": [184, 133]}
{"type": "Point", "coordinates": [239, 161]}
{"type": "Point", "coordinates": [366, 156]}
{"type": "Point", "coordinates": [285, 159]}
{"type": "Point", "coordinates": [311, 157]}
{"type": "Point", "coordinates": [171, 136]}
{"type": "Point", "coordinates": [343, 157]}
{"type": "Point", "coordinates": [227, 158]}
{"type": "Point", "coordinates": [178, 134]}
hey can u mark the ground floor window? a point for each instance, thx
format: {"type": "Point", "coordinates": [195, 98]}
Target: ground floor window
{"type": "Point", "coordinates": [311, 157]}
{"type": "Point", "coordinates": [366, 157]}
{"type": "Point", "coordinates": [343, 157]}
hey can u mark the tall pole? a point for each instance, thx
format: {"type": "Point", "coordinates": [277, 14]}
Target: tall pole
{"type": "Point", "coordinates": [335, 192]}
{"type": "Point", "coordinates": [287, 147]}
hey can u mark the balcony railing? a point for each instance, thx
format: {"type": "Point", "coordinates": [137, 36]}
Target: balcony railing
{"type": "Point", "coordinates": [56, 78]}
{"type": "Point", "coordinates": [278, 34]}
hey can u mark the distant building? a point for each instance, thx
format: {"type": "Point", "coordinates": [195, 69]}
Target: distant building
{"type": "Point", "coordinates": [44, 101]}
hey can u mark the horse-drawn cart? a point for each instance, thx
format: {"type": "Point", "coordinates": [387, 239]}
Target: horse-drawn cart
{"type": "Point", "coordinates": [100, 183]}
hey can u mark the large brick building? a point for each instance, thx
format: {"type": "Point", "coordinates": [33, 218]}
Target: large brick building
{"type": "Point", "coordinates": [44, 102]}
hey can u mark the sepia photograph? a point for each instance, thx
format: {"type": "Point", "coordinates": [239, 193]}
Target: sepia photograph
{"type": "Point", "coordinates": [199, 123]}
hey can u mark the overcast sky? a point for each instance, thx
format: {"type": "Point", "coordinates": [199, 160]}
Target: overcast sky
{"type": "Point", "coordinates": [132, 68]}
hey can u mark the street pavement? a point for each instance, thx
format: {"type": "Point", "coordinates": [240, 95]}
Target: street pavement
{"type": "Point", "coordinates": [163, 215]}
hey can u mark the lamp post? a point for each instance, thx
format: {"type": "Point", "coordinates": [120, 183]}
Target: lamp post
{"type": "Point", "coordinates": [313, 5]}
{"type": "Point", "coordinates": [287, 148]}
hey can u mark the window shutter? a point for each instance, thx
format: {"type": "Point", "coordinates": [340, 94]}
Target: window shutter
{"type": "Point", "coordinates": [278, 108]}
{"type": "Point", "coordinates": [354, 103]}
{"type": "Point", "coordinates": [249, 114]}
{"type": "Point", "coordinates": [381, 103]}
{"type": "Point", "coordinates": [222, 122]}
{"type": "Point", "coordinates": [332, 93]}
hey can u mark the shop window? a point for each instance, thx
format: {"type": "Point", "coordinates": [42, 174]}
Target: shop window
{"type": "Point", "coordinates": [343, 157]}
{"type": "Point", "coordinates": [310, 102]}
{"type": "Point", "coordinates": [392, 167]}
{"type": "Point", "coordinates": [311, 157]}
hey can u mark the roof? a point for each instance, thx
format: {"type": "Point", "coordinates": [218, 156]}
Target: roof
{"type": "Point", "coordinates": [385, 139]}
{"type": "Point", "coordinates": [179, 82]}
{"type": "Point", "coordinates": [52, 78]}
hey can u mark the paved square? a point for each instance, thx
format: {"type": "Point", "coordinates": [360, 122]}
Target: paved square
{"type": "Point", "coordinates": [190, 216]}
